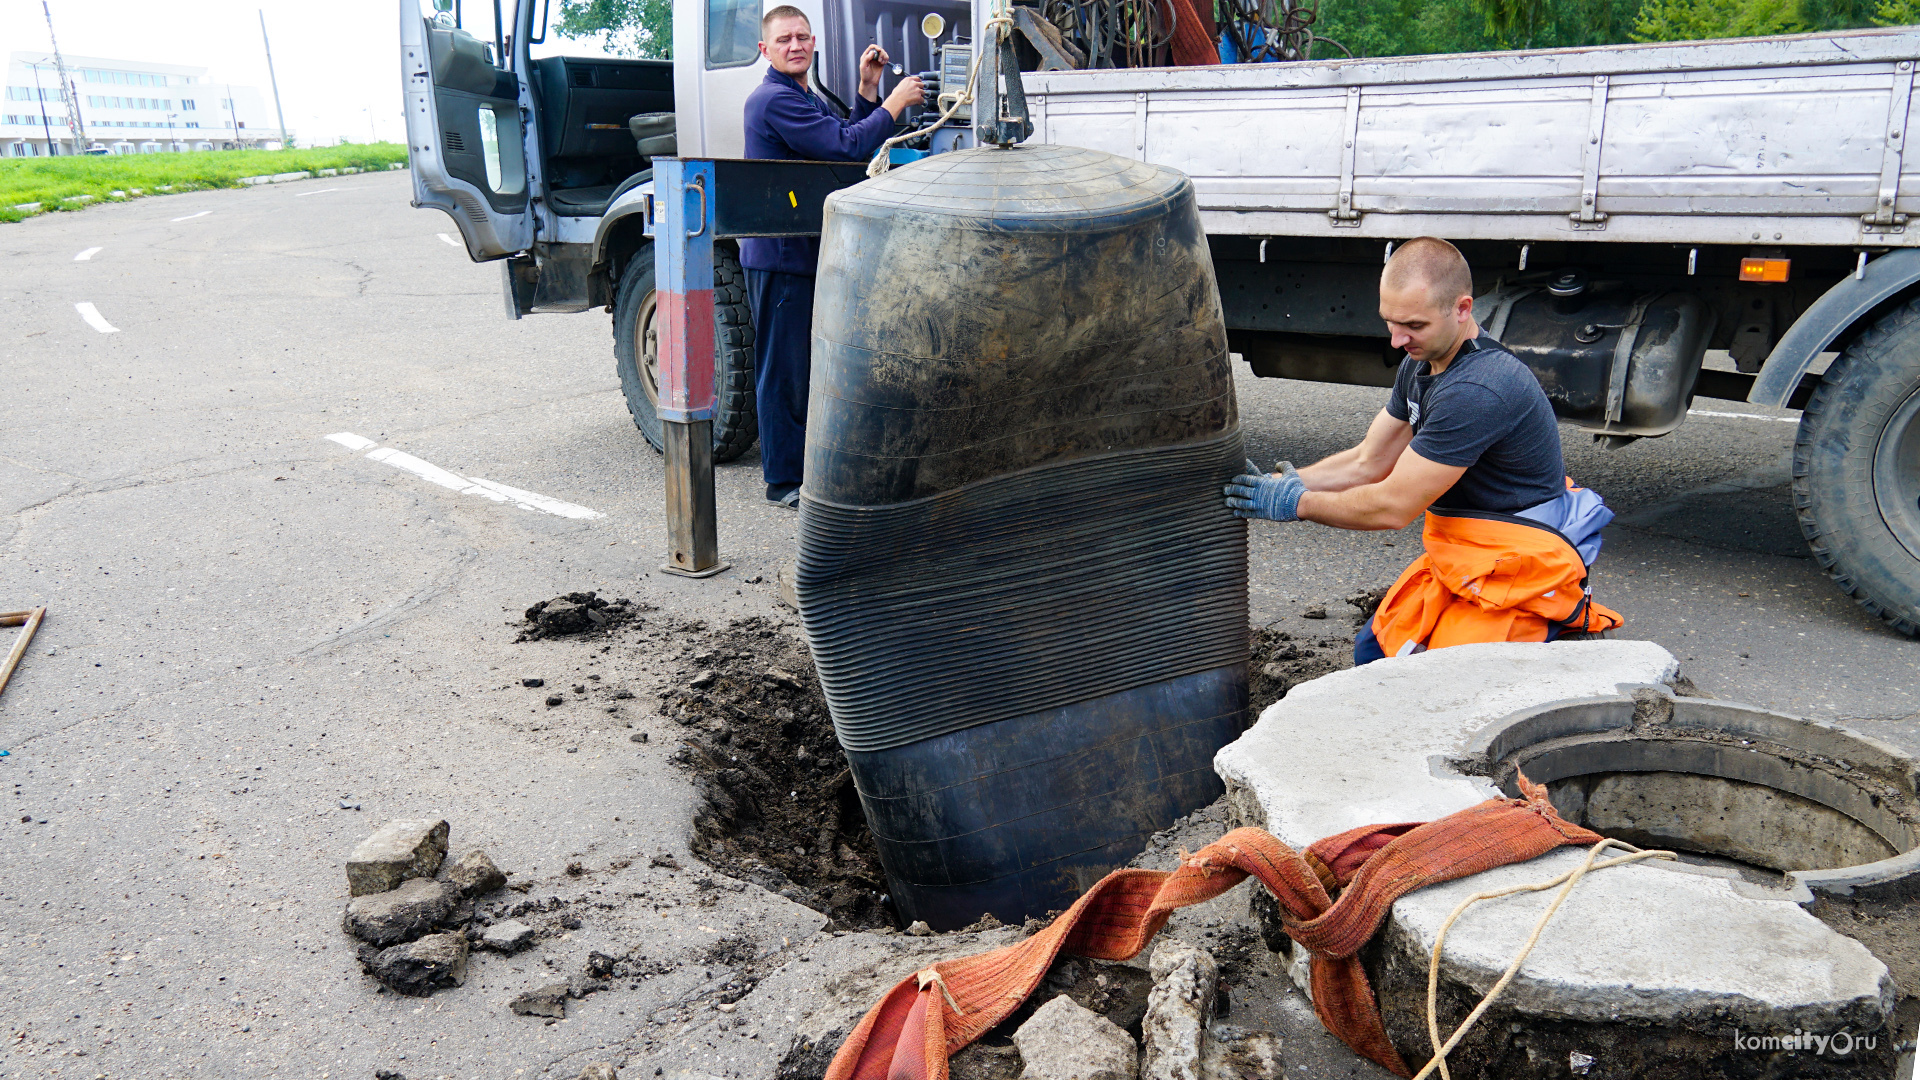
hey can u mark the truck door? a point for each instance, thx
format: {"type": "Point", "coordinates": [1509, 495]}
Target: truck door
{"type": "Point", "coordinates": [718, 69]}
{"type": "Point", "coordinates": [465, 135]}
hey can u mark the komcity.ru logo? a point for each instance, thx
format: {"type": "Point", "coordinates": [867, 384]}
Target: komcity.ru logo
{"type": "Point", "coordinates": [1839, 1044]}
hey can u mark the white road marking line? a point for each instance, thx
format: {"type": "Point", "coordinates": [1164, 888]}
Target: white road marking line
{"type": "Point", "coordinates": [87, 254]}
{"type": "Point", "coordinates": [486, 489]}
{"type": "Point", "coordinates": [318, 191]}
{"type": "Point", "coordinates": [190, 217]}
{"type": "Point", "coordinates": [527, 500]}
{"type": "Point", "coordinates": [1743, 416]}
{"type": "Point", "coordinates": [427, 471]}
{"type": "Point", "coordinates": [92, 315]}
{"type": "Point", "coordinates": [450, 240]}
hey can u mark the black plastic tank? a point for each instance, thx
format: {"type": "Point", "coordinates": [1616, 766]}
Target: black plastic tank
{"type": "Point", "coordinates": [1024, 594]}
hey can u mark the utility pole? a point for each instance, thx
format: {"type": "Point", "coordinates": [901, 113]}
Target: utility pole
{"type": "Point", "coordinates": [233, 119]}
{"type": "Point", "coordinates": [271, 80]}
{"type": "Point", "coordinates": [67, 92]}
{"type": "Point", "coordinates": [45, 127]}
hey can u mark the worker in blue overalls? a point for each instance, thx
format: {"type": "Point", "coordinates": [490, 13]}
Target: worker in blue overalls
{"type": "Point", "coordinates": [785, 121]}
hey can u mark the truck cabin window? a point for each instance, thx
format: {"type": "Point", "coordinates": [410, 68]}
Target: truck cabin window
{"type": "Point", "coordinates": [733, 32]}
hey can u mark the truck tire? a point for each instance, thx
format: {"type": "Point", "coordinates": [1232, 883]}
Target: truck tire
{"type": "Point", "coordinates": [735, 424]}
{"type": "Point", "coordinates": [1856, 470]}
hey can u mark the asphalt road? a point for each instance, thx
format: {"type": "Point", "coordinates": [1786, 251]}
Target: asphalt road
{"type": "Point", "coordinates": [250, 624]}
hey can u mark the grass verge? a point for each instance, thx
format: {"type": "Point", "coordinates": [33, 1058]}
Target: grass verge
{"type": "Point", "coordinates": [70, 183]}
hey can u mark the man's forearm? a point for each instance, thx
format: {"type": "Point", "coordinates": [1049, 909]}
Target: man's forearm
{"type": "Point", "coordinates": [1364, 507]}
{"type": "Point", "coordinates": [1341, 471]}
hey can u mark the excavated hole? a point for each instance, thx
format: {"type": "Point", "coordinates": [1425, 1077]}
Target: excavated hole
{"type": "Point", "coordinates": [777, 803]}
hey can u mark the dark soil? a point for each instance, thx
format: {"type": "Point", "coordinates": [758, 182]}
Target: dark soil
{"type": "Point", "coordinates": [777, 803]}
{"type": "Point", "coordinates": [1115, 991]}
{"type": "Point", "coordinates": [778, 806]}
{"type": "Point", "coordinates": [1282, 661]}
{"type": "Point", "coordinates": [575, 613]}
{"type": "Point", "coordinates": [1890, 929]}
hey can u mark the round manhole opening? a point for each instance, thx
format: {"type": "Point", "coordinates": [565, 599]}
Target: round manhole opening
{"type": "Point", "coordinates": [1767, 793]}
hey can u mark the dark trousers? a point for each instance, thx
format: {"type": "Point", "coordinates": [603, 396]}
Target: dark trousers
{"type": "Point", "coordinates": [782, 351]}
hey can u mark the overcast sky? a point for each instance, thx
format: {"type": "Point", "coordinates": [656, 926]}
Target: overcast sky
{"type": "Point", "coordinates": [338, 60]}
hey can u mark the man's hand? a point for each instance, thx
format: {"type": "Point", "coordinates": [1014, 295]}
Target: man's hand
{"type": "Point", "coordinates": [873, 64]}
{"type": "Point", "coordinates": [1268, 496]}
{"type": "Point", "coordinates": [906, 93]}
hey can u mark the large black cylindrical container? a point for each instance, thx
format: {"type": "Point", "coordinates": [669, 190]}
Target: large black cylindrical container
{"type": "Point", "coordinates": [1025, 596]}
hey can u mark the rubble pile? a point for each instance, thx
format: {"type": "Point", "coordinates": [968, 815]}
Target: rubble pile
{"type": "Point", "coordinates": [1091, 1020]}
{"type": "Point", "coordinates": [576, 613]}
{"type": "Point", "coordinates": [415, 928]}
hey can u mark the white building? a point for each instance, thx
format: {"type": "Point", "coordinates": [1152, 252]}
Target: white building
{"type": "Point", "coordinates": [128, 107]}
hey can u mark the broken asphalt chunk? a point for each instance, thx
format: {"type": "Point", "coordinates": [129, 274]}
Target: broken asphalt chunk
{"type": "Point", "coordinates": [474, 874]}
{"type": "Point", "coordinates": [401, 914]}
{"type": "Point", "coordinates": [509, 936]}
{"type": "Point", "coordinates": [550, 1000]}
{"type": "Point", "coordinates": [418, 968]}
{"type": "Point", "coordinates": [400, 849]}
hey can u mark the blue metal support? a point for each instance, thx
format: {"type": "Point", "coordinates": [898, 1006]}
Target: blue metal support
{"type": "Point", "coordinates": [683, 229]}
{"type": "Point", "coordinates": [694, 203]}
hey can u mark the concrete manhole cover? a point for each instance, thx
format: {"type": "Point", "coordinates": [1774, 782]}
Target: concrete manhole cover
{"type": "Point", "coordinates": [1708, 967]}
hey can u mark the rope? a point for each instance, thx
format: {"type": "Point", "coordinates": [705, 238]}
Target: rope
{"type": "Point", "coordinates": [933, 977]}
{"type": "Point", "coordinates": [1566, 882]}
{"type": "Point", "coordinates": [1004, 21]}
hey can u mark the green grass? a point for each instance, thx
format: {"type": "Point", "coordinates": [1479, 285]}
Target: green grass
{"type": "Point", "coordinates": [56, 182]}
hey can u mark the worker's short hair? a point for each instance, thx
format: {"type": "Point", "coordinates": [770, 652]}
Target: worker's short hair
{"type": "Point", "coordinates": [784, 11]}
{"type": "Point", "coordinates": [1429, 261]}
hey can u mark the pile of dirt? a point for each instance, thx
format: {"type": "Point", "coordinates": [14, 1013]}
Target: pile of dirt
{"type": "Point", "coordinates": [576, 613]}
{"type": "Point", "coordinates": [1282, 661]}
{"type": "Point", "coordinates": [778, 805]}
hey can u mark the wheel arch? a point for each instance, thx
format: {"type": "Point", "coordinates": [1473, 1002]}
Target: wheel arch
{"type": "Point", "coordinates": [1855, 302]}
{"type": "Point", "coordinates": [622, 231]}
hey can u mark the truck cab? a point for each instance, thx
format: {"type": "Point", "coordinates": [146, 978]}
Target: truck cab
{"type": "Point", "coordinates": [544, 159]}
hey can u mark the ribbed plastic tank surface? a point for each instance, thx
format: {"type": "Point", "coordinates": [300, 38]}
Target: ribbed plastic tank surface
{"type": "Point", "coordinates": [1024, 594]}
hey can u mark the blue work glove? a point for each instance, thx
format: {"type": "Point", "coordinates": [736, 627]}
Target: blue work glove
{"type": "Point", "coordinates": [1262, 495]}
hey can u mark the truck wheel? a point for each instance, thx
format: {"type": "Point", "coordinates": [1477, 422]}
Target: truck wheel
{"type": "Point", "coordinates": [1856, 470]}
{"type": "Point", "coordinates": [636, 351]}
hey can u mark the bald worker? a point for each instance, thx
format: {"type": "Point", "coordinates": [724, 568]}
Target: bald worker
{"type": "Point", "coordinates": [1469, 439]}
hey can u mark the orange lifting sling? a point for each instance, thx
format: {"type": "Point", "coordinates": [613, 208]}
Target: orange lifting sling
{"type": "Point", "coordinates": [1333, 898]}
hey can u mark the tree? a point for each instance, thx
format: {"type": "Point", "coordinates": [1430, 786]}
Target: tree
{"type": "Point", "coordinates": [631, 27]}
{"type": "Point", "coordinates": [1696, 20]}
{"type": "Point", "coordinates": [1897, 13]}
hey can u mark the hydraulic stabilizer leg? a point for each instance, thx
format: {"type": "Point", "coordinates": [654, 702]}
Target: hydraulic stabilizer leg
{"type": "Point", "coordinates": [683, 271]}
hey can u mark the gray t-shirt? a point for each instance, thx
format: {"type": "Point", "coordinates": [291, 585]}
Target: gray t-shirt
{"type": "Point", "coordinates": [1488, 413]}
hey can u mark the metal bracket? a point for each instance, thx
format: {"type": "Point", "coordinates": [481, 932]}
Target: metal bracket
{"type": "Point", "coordinates": [1000, 99]}
{"type": "Point", "coordinates": [1140, 126]}
{"type": "Point", "coordinates": [1623, 356]}
{"type": "Point", "coordinates": [1343, 213]}
{"type": "Point", "coordinates": [1498, 307]}
{"type": "Point", "coordinates": [1056, 52]}
{"type": "Point", "coordinates": [1588, 217]}
{"type": "Point", "coordinates": [1883, 219]}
